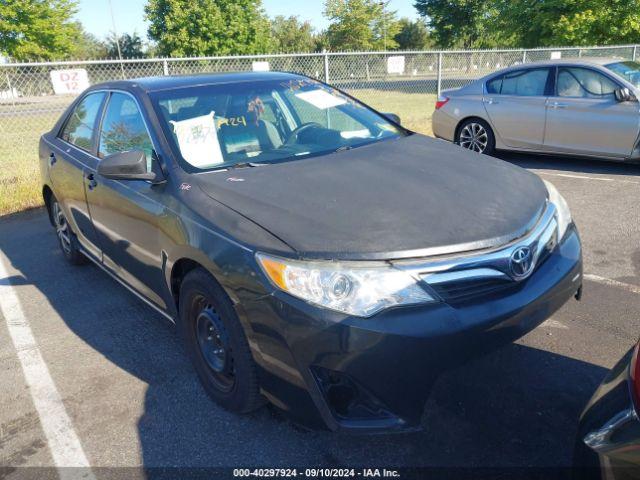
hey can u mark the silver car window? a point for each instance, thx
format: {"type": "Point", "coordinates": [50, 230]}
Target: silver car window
{"type": "Point", "coordinates": [584, 83]}
{"type": "Point", "coordinates": [524, 83]}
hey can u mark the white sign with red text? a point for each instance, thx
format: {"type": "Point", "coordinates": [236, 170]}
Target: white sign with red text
{"type": "Point", "coordinates": [69, 82]}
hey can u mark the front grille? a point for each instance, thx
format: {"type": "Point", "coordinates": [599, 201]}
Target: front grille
{"type": "Point", "coordinates": [490, 273]}
{"type": "Point", "coordinates": [465, 289]}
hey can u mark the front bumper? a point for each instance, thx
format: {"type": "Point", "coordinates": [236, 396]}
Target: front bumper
{"type": "Point", "coordinates": [370, 374]}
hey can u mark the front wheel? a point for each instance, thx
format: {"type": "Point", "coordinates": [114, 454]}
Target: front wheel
{"type": "Point", "coordinates": [216, 343]}
{"type": "Point", "coordinates": [476, 135]}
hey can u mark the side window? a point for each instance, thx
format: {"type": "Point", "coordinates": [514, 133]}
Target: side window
{"type": "Point", "coordinates": [123, 129]}
{"type": "Point", "coordinates": [81, 124]}
{"type": "Point", "coordinates": [525, 83]}
{"type": "Point", "coordinates": [494, 86]}
{"type": "Point", "coordinates": [584, 83]}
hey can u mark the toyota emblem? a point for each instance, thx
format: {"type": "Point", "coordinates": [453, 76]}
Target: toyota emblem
{"type": "Point", "coordinates": [521, 262]}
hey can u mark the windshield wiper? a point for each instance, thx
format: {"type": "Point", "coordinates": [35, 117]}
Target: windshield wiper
{"type": "Point", "coordinates": [245, 165]}
{"type": "Point", "coordinates": [238, 165]}
{"type": "Point", "coordinates": [343, 148]}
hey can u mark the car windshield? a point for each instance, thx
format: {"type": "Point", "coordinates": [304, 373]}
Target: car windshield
{"type": "Point", "coordinates": [630, 71]}
{"type": "Point", "coordinates": [255, 123]}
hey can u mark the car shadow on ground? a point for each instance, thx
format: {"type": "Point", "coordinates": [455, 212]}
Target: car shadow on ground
{"type": "Point", "coordinates": [517, 406]}
{"type": "Point", "coordinates": [571, 164]}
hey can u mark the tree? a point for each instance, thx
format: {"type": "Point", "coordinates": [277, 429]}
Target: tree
{"type": "Point", "coordinates": [208, 27]}
{"type": "Point", "coordinates": [460, 23]}
{"type": "Point", "coordinates": [130, 46]}
{"type": "Point", "coordinates": [569, 22]}
{"type": "Point", "coordinates": [413, 35]}
{"type": "Point", "coordinates": [38, 29]}
{"type": "Point", "coordinates": [290, 35]}
{"type": "Point", "coordinates": [88, 47]}
{"type": "Point", "coordinates": [360, 25]}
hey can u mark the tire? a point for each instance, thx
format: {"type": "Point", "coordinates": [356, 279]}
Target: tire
{"type": "Point", "coordinates": [66, 238]}
{"type": "Point", "coordinates": [476, 135]}
{"type": "Point", "coordinates": [216, 344]}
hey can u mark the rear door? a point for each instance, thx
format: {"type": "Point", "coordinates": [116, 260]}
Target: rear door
{"type": "Point", "coordinates": [129, 216]}
{"type": "Point", "coordinates": [584, 117]}
{"type": "Point", "coordinates": [516, 106]}
{"type": "Point", "coordinates": [70, 161]}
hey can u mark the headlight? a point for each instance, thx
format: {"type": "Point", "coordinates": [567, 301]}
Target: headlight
{"type": "Point", "coordinates": [360, 290]}
{"type": "Point", "coordinates": [563, 214]}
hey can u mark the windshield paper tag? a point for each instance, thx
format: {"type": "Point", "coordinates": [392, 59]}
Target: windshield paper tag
{"type": "Point", "coordinates": [198, 141]}
{"type": "Point", "coordinates": [321, 99]}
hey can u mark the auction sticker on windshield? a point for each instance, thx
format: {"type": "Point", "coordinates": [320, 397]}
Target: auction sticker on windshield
{"type": "Point", "coordinates": [198, 141]}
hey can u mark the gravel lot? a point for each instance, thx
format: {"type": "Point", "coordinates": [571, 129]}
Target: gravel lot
{"type": "Point", "coordinates": [133, 398]}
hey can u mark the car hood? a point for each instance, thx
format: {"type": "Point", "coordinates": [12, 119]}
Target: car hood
{"type": "Point", "coordinates": [399, 198]}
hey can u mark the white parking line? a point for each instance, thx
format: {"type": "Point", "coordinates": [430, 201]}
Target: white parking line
{"type": "Point", "coordinates": [612, 283]}
{"type": "Point", "coordinates": [584, 177]}
{"type": "Point", "coordinates": [61, 437]}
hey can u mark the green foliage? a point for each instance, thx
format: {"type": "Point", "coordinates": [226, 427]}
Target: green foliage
{"type": "Point", "coordinates": [413, 35]}
{"type": "Point", "coordinates": [88, 47]}
{"type": "Point", "coordinates": [130, 46]}
{"type": "Point", "coordinates": [208, 27]}
{"type": "Point", "coordinates": [360, 25]}
{"type": "Point", "coordinates": [570, 22]}
{"type": "Point", "coordinates": [460, 23]}
{"type": "Point", "coordinates": [527, 23]}
{"type": "Point", "coordinates": [290, 35]}
{"type": "Point", "coordinates": [38, 29]}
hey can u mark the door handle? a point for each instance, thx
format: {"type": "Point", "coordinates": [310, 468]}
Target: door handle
{"type": "Point", "coordinates": [491, 101]}
{"type": "Point", "coordinates": [92, 181]}
{"type": "Point", "coordinates": [52, 159]}
{"type": "Point", "coordinates": [558, 105]}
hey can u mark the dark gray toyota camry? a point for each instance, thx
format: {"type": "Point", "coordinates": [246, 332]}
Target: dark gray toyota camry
{"type": "Point", "coordinates": [311, 251]}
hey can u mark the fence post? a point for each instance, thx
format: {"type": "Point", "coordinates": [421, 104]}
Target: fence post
{"type": "Point", "coordinates": [326, 68]}
{"type": "Point", "coordinates": [165, 66]}
{"type": "Point", "coordinates": [635, 48]}
{"type": "Point", "coordinates": [439, 83]}
{"type": "Point", "coordinates": [13, 96]}
{"type": "Point", "coordinates": [524, 56]}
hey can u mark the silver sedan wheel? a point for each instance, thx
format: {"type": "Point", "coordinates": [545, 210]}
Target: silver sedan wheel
{"type": "Point", "coordinates": [62, 228]}
{"type": "Point", "coordinates": [474, 137]}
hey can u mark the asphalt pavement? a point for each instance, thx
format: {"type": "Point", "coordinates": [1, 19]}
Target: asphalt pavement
{"type": "Point", "coordinates": [133, 400]}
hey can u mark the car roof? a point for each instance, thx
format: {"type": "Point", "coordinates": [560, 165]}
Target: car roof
{"type": "Point", "coordinates": [153, 84]}
{"type": "Point", "coordinates": [580, 61]}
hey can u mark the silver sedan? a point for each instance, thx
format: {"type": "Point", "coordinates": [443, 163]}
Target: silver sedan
{"type": "Point", "coordinates": [583, 107]}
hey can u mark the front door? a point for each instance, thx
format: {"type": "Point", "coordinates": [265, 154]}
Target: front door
{"type": "Point", "coordinates": [584, 117]}
{"type": "Point", "coordinates": [516, 105]}
{"type": "Point", "coordinates": [128, 215]}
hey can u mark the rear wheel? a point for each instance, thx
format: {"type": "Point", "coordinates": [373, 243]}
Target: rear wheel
{"type": "Point", "coordinates": [216, 344]}
{"type": "Point", "coordinates": [66, 238]}
{"type": "Point", "coordinates": [476, 135]}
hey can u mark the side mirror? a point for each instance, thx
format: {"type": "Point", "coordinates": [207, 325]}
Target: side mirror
{"type": "Point", "coordinates": [131, 165]}
{"type": "Point", "coordinates": [624, 95]}
{"type": "Point", "coordinates": [393, 117]}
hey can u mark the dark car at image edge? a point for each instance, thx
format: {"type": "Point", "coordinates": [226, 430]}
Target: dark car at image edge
{"type": "Point", "coordinates": [608, 440]}
{"type": "Point", "coordinates": [312, 252]}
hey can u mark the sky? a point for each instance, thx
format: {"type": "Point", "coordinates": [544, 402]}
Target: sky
{"type": "Point", "coordinates": [96, 18]}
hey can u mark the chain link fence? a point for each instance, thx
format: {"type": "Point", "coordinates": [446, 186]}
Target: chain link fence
{"type": "Point", "coordinates": [405, 83]}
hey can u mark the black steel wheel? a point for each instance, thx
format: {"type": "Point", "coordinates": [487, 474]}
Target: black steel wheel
{"type": "Point", "coordinates": [217, 344]}
{"type": "Point", "coordinates": [66, 238]}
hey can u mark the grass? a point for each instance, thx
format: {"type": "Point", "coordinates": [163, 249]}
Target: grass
{"type": "Point", "coordinates": [21, 126]}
